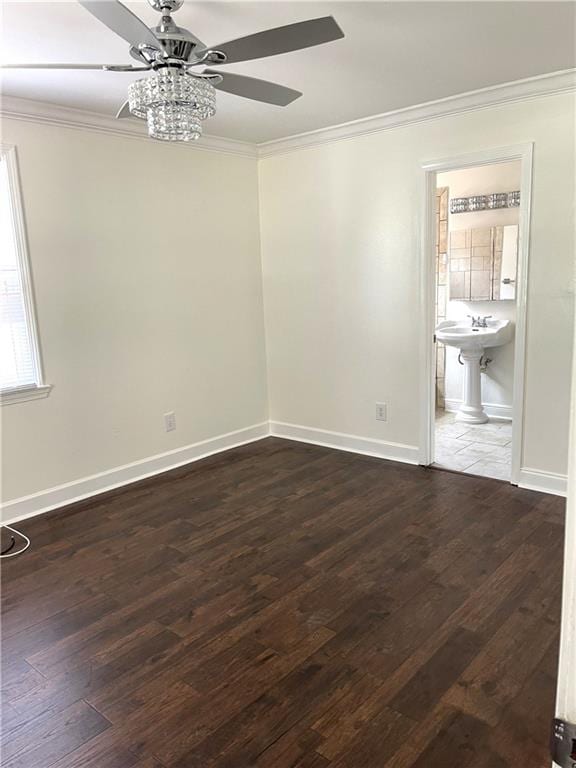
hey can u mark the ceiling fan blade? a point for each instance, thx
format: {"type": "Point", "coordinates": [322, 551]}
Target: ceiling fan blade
{"type": "Point", "coordinates": [254, 88]}
{"type": "Point", "coordinates": [292, 37]}
{"type": "Point", "coordinates": [105, 67]}
{"type": "Point", "coordinates": [121, 20]}
{"type": "Point", "coordinates": [123, 112]}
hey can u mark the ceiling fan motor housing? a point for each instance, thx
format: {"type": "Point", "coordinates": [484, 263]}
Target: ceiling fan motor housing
{"type": "Point", "coordinates": [166, 5]}
{"type": "Point", "coordinates": [178, 43]}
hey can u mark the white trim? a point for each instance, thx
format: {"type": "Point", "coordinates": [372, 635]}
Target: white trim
{"type": "Point", "coordinates": [427, 267]}
{"type": "Point", "coordinates": [484, 98]}
{"type": "Point", "coordinates": [566, 690]}
{"type": "Point", "coordinates": [23, 394]}
{"type": "Point", "coordinates": [9, 154]}
{"type": "Point", "coordinates": [79, 119]}
{"type": "Point", "coordinates": [521, 320]}
{"type": "Point", "coordinates": [494, 410]}
{"type": "Point", "coordinates": [488, 156]}
{"type": "Point", "coordinates": [540, 86]}
{"type": "Point", "coordinates": [93, 485]}
{"type": "Point", "coordinates": [84, 488]}
{"type": "Point", "coordinates": [545, 482]}
{"type": "Point", "coordinates": [368, 446]}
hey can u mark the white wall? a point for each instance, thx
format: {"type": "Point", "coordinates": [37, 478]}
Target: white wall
{"type": "Point", "coordinates": [147, 272]}
{"type": "Point", "coordinates": [341, 241]}
{"type": "Point", "coordinates": [497, 382]}
{"type": "Point", "coordinates": [566, 696]}
{"type": "Point", "coordinates": [146, 266]}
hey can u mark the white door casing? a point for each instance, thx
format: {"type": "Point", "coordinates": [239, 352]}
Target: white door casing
{"type": "Point", "coordinates": [430, 169]}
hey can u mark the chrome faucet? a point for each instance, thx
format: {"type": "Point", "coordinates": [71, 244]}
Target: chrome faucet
{"type": "Point", "coordinates": [479, 322]}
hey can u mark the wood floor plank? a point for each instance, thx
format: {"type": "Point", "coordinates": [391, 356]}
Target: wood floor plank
{"type": "Point", "coordinates": [505, 661]}
{"type": "Point", "coordinates": [103, 751]}
{"type": "Point", "coordinates": [45, 740]}
{"type": "Point", "coordinates": [522, 732]}
{"type": "Point", "coordinates": [457, 744]}
{"type": "Point", "coordinates": [284, 605]}
{"type": "Point", "coordinates": [435, 677]}
{"type": "Point", "coordinates": [381, 736]}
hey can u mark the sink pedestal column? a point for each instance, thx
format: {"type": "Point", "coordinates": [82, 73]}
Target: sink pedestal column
{"type": "Point", "coordinates": [471, 410]}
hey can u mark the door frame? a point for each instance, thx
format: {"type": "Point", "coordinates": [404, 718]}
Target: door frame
{"type": "Point", "coordinates": [429, 171]}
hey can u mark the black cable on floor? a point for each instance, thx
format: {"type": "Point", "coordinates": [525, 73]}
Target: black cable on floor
{"type": "Point", "coordinates": [9, 547]}
{"type": "Point", "coordinates": [7, 552]}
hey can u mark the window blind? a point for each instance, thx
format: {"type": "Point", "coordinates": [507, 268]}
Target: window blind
{"type": "Point", "coordinates": [17, 354]}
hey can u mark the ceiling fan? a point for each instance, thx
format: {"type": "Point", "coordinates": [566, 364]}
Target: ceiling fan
{"type": "Point", "coordinates": [176, 98]}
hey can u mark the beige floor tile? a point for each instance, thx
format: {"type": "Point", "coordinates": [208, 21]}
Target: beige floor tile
{"type": "Point", "coordinates": [477, 451]}
{"type": "Point", "coordinates": [480, 435]}
{"type": "Point", "coordinates": [482, 449]}
{"type": "Point", "coordinates": [452, 444]}
{"type": "Point", "coordinates": [452, 461]}
{"type": "Point", "coordinates": [450, 429]}
{"type": "Point", "coordinates": [495, 469]}
{"type": "Point", "coordinates": [493, 427]}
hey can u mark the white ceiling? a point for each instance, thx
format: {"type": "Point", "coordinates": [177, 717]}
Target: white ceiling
{"type": "Point", "coordinates": [395, 54]}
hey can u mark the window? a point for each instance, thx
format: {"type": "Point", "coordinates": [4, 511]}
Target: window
{"type": "Point", "coordinates": [20, 369]}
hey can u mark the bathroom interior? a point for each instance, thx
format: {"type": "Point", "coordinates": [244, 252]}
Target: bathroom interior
{"type": "Point", "coordinates": [477, 216]}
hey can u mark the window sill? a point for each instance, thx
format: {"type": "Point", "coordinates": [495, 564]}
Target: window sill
{"type": "Point", "coordinates": [21, 395]}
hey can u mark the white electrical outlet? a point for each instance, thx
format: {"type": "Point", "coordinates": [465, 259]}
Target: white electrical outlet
{"type": "Point", "coordinates": [381, 412]}
{"type": "Point", "coordinates": [170, 421]}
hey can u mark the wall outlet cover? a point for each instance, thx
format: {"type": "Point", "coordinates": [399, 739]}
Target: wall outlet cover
{"type": "Point", "coordinates": [170, 421]}
{"type": "Point", "coordinates": [381, 412]}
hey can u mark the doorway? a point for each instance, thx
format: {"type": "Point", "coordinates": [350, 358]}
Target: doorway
{"type": "Point", "coordinates": [475, 246]}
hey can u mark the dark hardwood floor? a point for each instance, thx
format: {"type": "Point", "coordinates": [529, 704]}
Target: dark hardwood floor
{"type": "Point", "coordinates": [286, 606]}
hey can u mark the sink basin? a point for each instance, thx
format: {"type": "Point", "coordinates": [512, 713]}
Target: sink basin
{"type": "Point", "coordinates": [472, 342]}
{"type": "Point", "coordinates": [458, 333]}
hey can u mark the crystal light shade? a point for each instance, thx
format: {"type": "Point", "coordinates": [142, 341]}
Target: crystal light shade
{"type": "Point", "coordinates": [173, 103]}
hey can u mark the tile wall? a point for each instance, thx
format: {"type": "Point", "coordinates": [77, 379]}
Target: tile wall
{"type": "Point", "coordinates": [441, 286]}
{"type": "Point", "coordinates": [475, 259]}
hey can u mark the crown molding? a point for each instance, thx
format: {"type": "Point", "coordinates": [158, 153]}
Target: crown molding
{"type": "Point", "coordinates": [519, 90]}
{"type": "Point", "coordinates": [484, 98]}
{"type": "Point", "coordinates": [67, 117]}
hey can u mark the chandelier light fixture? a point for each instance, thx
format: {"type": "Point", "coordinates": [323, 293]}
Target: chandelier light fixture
{"type": "Point", "coordinates": [173, 103]}
{"type": "Point", "coordinates": [176, 98]}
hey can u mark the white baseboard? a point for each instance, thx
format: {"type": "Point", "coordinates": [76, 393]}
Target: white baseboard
{"type": "Point", "coordinates": [86, 487]}
{"type": "Point", "coordinates": [493, 410]}
{"type": "Point", "coordinates": [61, 495]}
{"type": "Point", "coordinates": [409, 454]}
{"type": "Point", "coordinates": [546, 482]}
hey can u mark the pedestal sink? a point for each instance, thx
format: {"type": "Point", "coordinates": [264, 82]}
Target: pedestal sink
{"type": "Point", "coordinates": [472, 341]}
